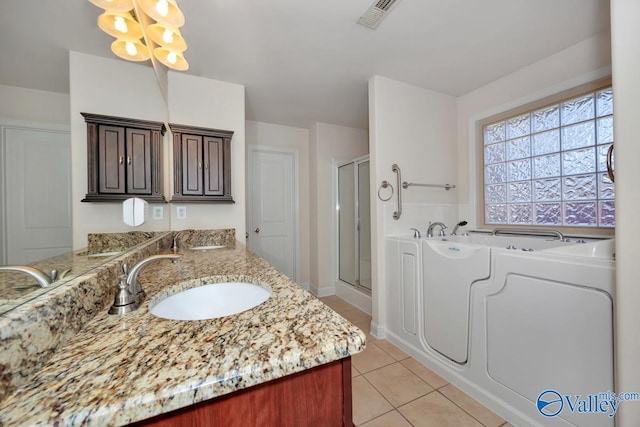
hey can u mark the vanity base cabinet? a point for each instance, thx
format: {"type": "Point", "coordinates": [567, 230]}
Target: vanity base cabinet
{"type": "Point", "coordinates": [316, 397]}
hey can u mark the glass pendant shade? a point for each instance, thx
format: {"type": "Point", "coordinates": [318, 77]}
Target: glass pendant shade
{"type": "Point", "coordinates": [120, 25]}
{"type": "Point", "coordinates": [131, 50]}
{"type": "Point", "coordinates": [117, 5]}
{"type": "Point", "coordinates": [137, 35]}
{"type": "Point", "coordinates": [171, 59]}
{"type": "Point", "coordinates": [164, 12]}
{"type": "Point", "coordinates": [167, 37]}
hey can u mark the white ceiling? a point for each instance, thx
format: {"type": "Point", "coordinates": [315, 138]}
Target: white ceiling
{"type": "Point", "coordinates": [308, 61]}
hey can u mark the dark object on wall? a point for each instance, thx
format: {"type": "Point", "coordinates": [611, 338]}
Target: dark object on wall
{"type": "Point", "coordinates": [201, 164]}
{"type": "Point", "coordinates": [123, 159]}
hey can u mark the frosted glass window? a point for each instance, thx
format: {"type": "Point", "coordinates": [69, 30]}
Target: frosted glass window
{"type": "Point", "coordinates": [518, 126]}
{"type": "Point", "coordinates": [548, 166]}
{"type": "Point", "coordinates": [520, 170]}
{"type": "Point", "coordinates": [547, 118]}
{"type": "Point", "coordinates": [546, 142]}
{"type": "Point", "coordinates": [494, 153]}
{"type": "Point", "coordinates": [578, 110]}
{"type": "Point", "coordinates": [494, 133]}
{"type": "Point", "coordinates": [548, 213]}
{"type": "Point", "coordinates": [580, 135]}
{"type": "Point", "coordinates": [496, 193]}
{"type": "Point", "coordinates": [519, 148]}
{"type": "Point", "coordinates": [605, 102]}
{"type": "Point", "coordinates": [520, 192]}
{"type": "Point", "coordinates": [605, 130]}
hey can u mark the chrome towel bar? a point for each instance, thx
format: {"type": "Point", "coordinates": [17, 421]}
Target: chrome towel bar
{"type": "Point", "coordinates": [447, 187]}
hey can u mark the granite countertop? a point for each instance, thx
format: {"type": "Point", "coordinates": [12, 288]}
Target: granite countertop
{"type": "Point", "coordinates": [19, 288]}
{"type": "Point", "coordinates": [121, 369]}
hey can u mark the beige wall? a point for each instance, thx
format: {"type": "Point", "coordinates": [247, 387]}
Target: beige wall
{"type": "Point", "coordinates": [296, 139]}
{"type": "Point", "coordinates": [414, 128]}
{"type": "Point", "coordinates": [34, 105]}
{"type": "Point", "coordinates": [329, 145]}
{"type": "Point", "coordinates": [625, 38]}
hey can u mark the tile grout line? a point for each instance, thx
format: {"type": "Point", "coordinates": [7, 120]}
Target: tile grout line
{"type": "Point", "coordinates": [395, 408]}
{"type": "Point", "coordinates": [464, 410]}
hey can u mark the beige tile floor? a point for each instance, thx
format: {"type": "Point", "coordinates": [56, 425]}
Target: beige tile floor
{"type": "Point", "coordinates": [391, 389]}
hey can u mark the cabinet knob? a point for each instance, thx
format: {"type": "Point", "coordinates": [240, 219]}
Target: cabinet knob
{"type": "Point", "coordinates": [257, 230]}
{"type": "Point", "coordinates": [121, 159]}
{"type": "Point", "coordinates": [128, 160]}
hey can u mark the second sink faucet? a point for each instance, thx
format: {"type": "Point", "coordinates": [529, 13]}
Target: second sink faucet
{"type": "Point", "coordinates": [432, 225]}
{"type": "Point", "coordinates": [43, 279]}
{"type": "Point", "coordinates": [132, 275]}
{"type": "Point", "coordinates": [176, 236]}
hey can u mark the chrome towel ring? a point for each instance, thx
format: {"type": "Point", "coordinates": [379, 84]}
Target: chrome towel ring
{"type": "Point", "coordinates": [385, 184]}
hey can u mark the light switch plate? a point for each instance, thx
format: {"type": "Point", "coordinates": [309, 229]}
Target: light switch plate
{"type": "Point", "coordinates": [157, 212]}
{"type": "Point", "coordinates": [181, 212]}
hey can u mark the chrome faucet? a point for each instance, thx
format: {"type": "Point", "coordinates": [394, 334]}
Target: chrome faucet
{"type": "Point", "coordinates": [458, 225]}
{"type": "Point", "coordinates": [43, 279]}
{"type": "Point", "coordinates": [432, 225]}
{"type": "Point", "coordinates": [176, 235]}
{"type": "Point", "coordinates": [130, 293]}
{"type": "Point", "coordinates": [132, 275]}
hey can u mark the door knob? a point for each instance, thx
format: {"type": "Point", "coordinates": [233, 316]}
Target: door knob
{"type": "Point", "coordinates": [257, 230]}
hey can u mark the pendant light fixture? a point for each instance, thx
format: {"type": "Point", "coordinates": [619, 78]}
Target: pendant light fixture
{"type": "Point", "coordinates": [138, 37]}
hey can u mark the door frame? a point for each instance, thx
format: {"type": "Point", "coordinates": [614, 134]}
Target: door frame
{"type": "Point", "coordinates": [252, 149]}
{"type": "Point", "coordinates": [5, 124]}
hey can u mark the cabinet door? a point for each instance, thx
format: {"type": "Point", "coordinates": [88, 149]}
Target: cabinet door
{"type": "Point", "coordinates": [138, 161]}
{"type": "Point", "coordinates": [192, 165]}
{"type": "Point", "coordinates": [213, 166]}
{"type": "Point", "coordinates": [111, 155]}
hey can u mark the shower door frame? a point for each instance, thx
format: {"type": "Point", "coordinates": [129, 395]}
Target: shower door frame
{"type": "Point", "coordinates": [357, 285]}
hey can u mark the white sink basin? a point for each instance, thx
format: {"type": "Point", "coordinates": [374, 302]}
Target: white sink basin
{"type": "Point", "coordinates": [206, 248]}
{"type": "Point", "coordinates": [211, 301]}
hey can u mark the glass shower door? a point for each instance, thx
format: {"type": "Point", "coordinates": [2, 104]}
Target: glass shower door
{"type": "Point", "coordinates": [364, 226]}
{"type": "Point", "coordinates": [347, 224]}
{"type": "Point", "coordinates": [354, 222]}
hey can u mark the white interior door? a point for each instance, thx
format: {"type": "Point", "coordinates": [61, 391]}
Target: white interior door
{"type": "Point", "coordinates": [37, 199]}
{"type": "Point", "coordinates": [273, 213]}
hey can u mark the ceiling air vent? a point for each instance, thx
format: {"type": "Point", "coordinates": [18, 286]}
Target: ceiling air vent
{"type": "Point", "coordinates": [376, 13]}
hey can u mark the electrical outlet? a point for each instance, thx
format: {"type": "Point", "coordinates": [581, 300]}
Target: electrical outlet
{"type": "Point", "coordinates": [158, 212]}
{"type": "Point", "coordinates": [181, 212]}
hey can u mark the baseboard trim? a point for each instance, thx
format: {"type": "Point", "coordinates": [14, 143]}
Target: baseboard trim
{"type": "Point", "coordinates": [377, 330]}
{"type": "Point", "coordinates": [354, 297]}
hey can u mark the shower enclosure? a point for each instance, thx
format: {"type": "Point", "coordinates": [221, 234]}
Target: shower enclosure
{"type": "Point", "coordinates": [354, 224]}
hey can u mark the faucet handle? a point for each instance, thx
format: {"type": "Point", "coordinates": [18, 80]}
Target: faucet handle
{"type": "Point", "coordinates": [416, 233]}
{"type": "Point", "coordinates": [125, 269]}
{"type": "Point", "coordinates": [124, 301]}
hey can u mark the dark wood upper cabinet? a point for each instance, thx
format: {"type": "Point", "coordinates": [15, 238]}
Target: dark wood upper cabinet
{"type": "Point", "coordinates": [201, 164]}
{"type": "Point", "coordinates": [123, 159]}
